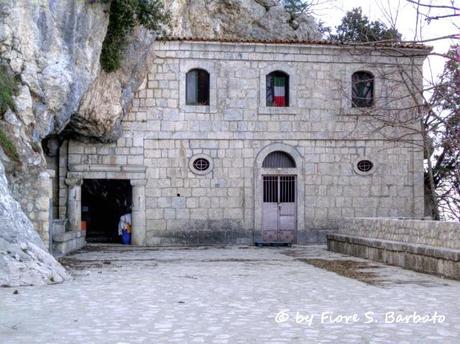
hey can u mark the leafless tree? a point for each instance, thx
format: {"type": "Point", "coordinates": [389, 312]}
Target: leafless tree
{"type": "Point", "coordinates": [427, 116]}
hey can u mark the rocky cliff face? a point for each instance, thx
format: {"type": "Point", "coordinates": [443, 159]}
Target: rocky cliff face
{"type": "Point", "coordinates": [53, 47]}
{"type": "Point", "coordinates": [23, 257]}
{"type": "Point", "coordinates": [109, 96]}
{"type": "Point", "coordinates": [257, 19]}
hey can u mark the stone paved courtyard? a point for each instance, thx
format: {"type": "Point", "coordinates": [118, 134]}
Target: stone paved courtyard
{"type": "Point", "coordinates": [226, 295]}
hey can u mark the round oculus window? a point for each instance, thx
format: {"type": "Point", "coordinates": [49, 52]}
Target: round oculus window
{"type": "Point", "coordinates": [365, 165]}
{"type": "Point", "coordinates": [201, 164]}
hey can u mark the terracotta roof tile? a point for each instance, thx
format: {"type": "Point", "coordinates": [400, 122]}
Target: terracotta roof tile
{"type": "Point", "coordinates": [409, 45]}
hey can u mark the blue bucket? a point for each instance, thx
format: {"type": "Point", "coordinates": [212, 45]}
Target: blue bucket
{"type": "Point", "coordinates": [126, 238]}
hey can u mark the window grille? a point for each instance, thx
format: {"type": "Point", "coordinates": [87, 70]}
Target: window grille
{"type": "Point", "coordinates": [271, 189]}
{"type": "Point", "coordinates": [279, 189]}
{"type": "Point", "coordinates": [287, 189]}
{"type": "Point", "coordinates": [278, 159]}
{"type": "Point", "coordinates": [201, 164]}
{"type": "Point", "coordinates": [365, 165]}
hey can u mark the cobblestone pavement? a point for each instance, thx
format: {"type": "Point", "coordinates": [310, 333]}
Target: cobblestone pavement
{"type": "Point", "coordinates": [225, 295]}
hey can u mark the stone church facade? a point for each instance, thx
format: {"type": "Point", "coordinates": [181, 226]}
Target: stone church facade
{"type": "Point", "coordinates": [244, 141]}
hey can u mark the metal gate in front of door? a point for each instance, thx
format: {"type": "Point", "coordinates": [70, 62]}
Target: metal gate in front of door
{"type": "Point", "coordinates": [279, 209]}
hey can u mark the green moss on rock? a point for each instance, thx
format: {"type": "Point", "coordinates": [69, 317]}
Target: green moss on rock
{"type": "Point", "coordinates": [124, 16]}
{"type": "Point", "coordinates": [7, 89]}
{"type": "Point", "coordinates": [8, 146]}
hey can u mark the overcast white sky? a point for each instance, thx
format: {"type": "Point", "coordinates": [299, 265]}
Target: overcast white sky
{"type": "Point", "coordinates": [332, 11]}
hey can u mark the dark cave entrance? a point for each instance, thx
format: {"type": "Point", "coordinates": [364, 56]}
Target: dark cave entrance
{"type": "Point", "coordinates": [103, 202]}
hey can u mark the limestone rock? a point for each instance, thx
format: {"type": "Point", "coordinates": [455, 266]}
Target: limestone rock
{"type": "Point", "coordinates": [54, 46]}
{"type": "Point", "coordinates": [100, 109]}
{"type": "Point", "coordinates": [24, 105]}
{"type": "Point", "coordinates": [110, 95]}
{"type": "Point", "coordinates": [23, 257]}
{"type": "Point", "coordinates": [256, 19]}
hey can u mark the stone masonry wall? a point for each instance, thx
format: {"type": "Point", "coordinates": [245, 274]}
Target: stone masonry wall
{"type": "Point", "coordinates": [421, 232]}
{"type": "Point", "coordinates": [161, 134]}
{"type": "Point", "coordinates": [35, 197]}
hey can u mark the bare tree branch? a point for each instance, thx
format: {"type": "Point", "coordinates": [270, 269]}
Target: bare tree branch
{"type": "Point", "coordinates": [418, 3]}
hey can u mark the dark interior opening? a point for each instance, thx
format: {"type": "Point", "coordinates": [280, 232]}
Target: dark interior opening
{"type": "Point", "coordinates": [103, 202]}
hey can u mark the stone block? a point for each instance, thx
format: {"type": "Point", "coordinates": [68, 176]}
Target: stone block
{"type": "Point", "coordinates": [407, 253]}
{"type": "Point", "coordinates": [233, 114]}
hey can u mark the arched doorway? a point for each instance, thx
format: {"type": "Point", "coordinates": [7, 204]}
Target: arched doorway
{"type": "Point", "coordinates": [279, 200]}
{"type": "Point", "coordinates": [278, 170]}
{"type": "Point", "coordinates": [279, 194]}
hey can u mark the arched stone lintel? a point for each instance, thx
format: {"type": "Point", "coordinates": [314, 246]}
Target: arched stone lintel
{"type": "Point", "coordinates": [292, 151]}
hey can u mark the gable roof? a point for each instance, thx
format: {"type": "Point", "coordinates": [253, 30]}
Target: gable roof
{"type": "Point", "coordinates": [381, 44]}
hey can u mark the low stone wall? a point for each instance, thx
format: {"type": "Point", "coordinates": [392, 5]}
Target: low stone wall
{"type": "Point", "coordinates": [422, 232]}
{"type": "Point", "coordinates": [65, 242]}
{"type": "Point", "coordinates": [68, 242]}
{"type": "Point", "coordinates": [426, 246]}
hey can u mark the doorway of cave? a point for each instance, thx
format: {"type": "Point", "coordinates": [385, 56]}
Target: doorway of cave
{"type": "Point", "coordinates": [103, 202]}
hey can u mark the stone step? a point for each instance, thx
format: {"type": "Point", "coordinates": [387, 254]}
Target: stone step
{"type": "Point", "coordinates": [66, 236]}
{"type": "Point", "coordinates": [62, 248]}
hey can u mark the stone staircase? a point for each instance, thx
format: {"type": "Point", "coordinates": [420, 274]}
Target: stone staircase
{"type": "Point", "coordinates": [65, 241]}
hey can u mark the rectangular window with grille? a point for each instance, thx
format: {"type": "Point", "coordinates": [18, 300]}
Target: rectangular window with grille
{"type": "Point", "coordinates": [270, 189]}
{"type": "Point", "coordinates": [279, 189]}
